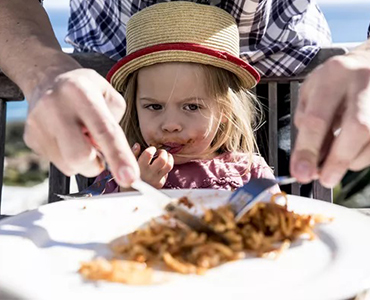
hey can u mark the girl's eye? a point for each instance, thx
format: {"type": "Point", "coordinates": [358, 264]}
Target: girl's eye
{"type": "Point", "coordinates": [153, 106]}
{"type": "Point", "coordinates": [192, 107]}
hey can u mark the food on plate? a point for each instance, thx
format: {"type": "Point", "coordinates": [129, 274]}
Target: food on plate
{"type": "Point", "coordinates": [185, 201]}
{"type": "Point", "coordinates": [265, 230]}
{"type": "Point", "coordinates": [115, 270]}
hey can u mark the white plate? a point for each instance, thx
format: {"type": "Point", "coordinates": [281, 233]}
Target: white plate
{"type": "Point", "coordinates": [41, 250]}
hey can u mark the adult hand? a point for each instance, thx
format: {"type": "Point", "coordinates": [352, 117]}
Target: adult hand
{"type": "Point", "coordinates": [334, 98]}
{"type": "Point", "coordinates": [154, 165]}
{"type": "Point", "coordinates": [62, 107]}
{"type": "Point", "coordinates": [63, 98]}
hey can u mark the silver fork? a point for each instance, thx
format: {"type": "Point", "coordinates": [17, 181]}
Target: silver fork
{"type": "Point", "coordinates": [95, 189]}
{"type": "Point", "coordinates": [242, 200]}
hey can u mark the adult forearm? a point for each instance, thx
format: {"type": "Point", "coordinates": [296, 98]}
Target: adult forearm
{"type": "Point", "coordinates": [29, 51]}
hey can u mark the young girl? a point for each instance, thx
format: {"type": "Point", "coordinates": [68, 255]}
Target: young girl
{"type": "Point", "coordinates": [190, 117]}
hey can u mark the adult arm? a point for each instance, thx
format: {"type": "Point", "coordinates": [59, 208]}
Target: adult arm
{"type": "Point", "coordinates": [63, 97]}
{"type": "Point", "coordinates": [336, 95]}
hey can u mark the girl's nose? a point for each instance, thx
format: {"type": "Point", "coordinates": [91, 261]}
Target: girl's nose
{"type": "Point", "coordinates": [171, 125]}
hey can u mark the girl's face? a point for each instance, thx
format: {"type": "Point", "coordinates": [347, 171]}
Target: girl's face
{"type": "Point", "coordinates": [175, 112]}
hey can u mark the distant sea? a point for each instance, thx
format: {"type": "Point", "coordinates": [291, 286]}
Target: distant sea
{"type": "Point", "coordinates": [348, 24]}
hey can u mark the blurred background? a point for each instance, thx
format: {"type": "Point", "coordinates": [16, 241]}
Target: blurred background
{"type": "Point", "coordinates": [26, 174]}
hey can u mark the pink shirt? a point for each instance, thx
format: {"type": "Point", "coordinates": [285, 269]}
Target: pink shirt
{"type": "Point", "coordinates": [227, 171]}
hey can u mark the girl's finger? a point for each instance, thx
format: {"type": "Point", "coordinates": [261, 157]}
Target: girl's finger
{"type": "Point", "coordinates": [161, 159]}
{"type": "Point", "coordinates": [168, 166]}
{"type": "Point", "coordinates": [136, 149]}
{"type": "Point", "coordinates": [166, 169]}
{"type": "Point", "coordinates": [146, 156]}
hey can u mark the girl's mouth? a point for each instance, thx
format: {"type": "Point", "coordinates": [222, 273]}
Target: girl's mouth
{"type": "Point", "coordinates": [172, 148]}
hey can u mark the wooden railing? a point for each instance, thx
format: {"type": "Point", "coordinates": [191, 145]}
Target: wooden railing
{"type": "Point", "coordinates": [58, 183]}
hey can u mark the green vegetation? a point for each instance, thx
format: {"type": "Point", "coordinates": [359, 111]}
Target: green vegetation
{"type": "Point", "coordinates": [22, 167]}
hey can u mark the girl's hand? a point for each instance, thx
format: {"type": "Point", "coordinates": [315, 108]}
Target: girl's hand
{"type": "Point", "coordinates": [154, 165]}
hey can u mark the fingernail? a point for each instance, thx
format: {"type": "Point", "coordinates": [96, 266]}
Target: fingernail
{"type": "Point", "coordinates": [134, 147]}
{"type": "Point", "coordinates": [126, 175]}
{"type": "Point", "coordinates": [304, 169]}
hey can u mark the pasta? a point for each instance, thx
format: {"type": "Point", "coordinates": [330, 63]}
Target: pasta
{"type": "Point", "coordinates": [266, 230]}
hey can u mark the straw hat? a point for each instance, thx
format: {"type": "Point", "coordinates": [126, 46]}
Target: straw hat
{"type": "Point", "coordinates": [184, 32]}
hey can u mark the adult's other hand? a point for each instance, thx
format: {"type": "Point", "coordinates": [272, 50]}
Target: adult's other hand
{"type": "Point", "coordinates": [333, 119]}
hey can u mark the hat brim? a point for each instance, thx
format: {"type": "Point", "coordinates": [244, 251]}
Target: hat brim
{"type": "Point", "coordinates": [181, 52]}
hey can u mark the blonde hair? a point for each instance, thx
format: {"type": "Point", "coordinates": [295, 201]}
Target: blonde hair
{"type": "Point", "coordinates": [239, 106]}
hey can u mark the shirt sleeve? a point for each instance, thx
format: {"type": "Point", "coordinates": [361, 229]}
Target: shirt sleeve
{"type": "Point", "coordinates": [281, 37]}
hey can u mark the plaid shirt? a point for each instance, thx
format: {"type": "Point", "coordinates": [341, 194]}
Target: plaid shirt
{"type": "Point", "coordinates": [277, 37]}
